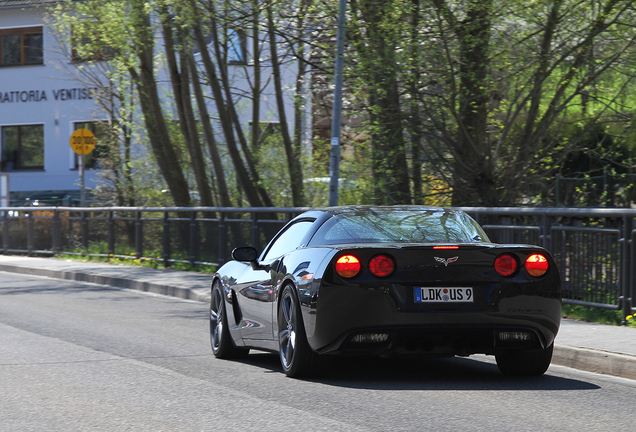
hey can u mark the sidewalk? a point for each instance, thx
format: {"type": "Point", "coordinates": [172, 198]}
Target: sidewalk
{"type": "Point", "coordinates": [586, 346]}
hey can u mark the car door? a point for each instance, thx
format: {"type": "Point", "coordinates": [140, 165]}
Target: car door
{"type": "Point", "coordinates": [257, 294]}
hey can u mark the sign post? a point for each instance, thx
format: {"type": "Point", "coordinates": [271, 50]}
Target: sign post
{"type": "Point", "coordinates": [5, 198]}
{"type": "Point", "coordinates": [82, 142]}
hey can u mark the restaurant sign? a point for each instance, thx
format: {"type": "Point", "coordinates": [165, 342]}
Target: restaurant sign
{"type": "Point", "coordinates": [23, 96]}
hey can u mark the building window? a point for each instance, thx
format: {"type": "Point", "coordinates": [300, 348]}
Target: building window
{"type": "Point", "coordinates": [236, 47]}
{"type": "Point", "coordinates": [88, 46]}
{"type": "Point", "coordinates": [21, 46]}
{"type": "Point", "coordinates": [22, 147]}
{"type": "Point", "coordinates": [98, 128]}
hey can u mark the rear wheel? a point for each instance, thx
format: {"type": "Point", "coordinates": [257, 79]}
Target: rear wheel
{"type": "Point", "coordinates": [296, 356]}
{"type": "Point", "coordinates": [524, 362]}
{"type": "Point", "coordinates": [222, 345]}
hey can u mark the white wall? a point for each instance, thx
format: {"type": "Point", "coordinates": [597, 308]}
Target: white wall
{"type": "Point", "coordinates": [56, 102]}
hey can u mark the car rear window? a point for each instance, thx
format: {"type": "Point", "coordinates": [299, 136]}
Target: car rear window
{"type": "Point", "coordinates": [434, 226]}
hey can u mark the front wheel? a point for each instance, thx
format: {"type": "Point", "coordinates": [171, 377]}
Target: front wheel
{"type": "Point", "coordinates": [296, 356]}
{"type": "Point", "coordinates": [524, 362]}
{"type": "Point", "coordinates": [222, 345]}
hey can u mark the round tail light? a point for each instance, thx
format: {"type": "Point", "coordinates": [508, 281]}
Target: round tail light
{"type": "Point", "coordinates": [536, 265]}
{"type": "Point", "coordinates": [381, 265]}
{"type": "Point", "coordinates": [506, 265]}
{"type": "Point", "coordinates": [347, 266]}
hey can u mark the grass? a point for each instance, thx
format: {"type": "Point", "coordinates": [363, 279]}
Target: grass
{"type": "Point", "coordinates": [132, 261]}
{"type": "Point", "coordinates": [591, 314]}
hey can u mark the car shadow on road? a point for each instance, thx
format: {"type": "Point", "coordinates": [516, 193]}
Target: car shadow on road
{"type": "Point", "coordinates": [473, 373]}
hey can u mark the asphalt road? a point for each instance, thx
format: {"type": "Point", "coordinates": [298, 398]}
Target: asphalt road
{"type": "Point", "coordinates": [80, 357]}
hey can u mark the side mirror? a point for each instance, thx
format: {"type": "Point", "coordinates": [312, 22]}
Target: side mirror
{"type": "Point", "coordinates": [246, 253]}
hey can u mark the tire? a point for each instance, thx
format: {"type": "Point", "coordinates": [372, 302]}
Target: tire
{"type": "Point", "coordinates": [220, 339]}
{"type": "Point", "coordinates": [524, 362]}
{"type": "Point", "coordinates": [296, 356]}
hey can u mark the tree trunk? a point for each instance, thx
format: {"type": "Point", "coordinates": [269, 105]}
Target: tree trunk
{"type": "Point", "coordinates": [256, 86]}
{"type": "Point", "coordinates": [233, 116]}
{"type": "Point", "coordinates": [390, 168]}
{"type": "Point", "coordinates": [224, 195]}
{"type": "Point", "coordinates": [293, 159]}
{"type": "Point", "coordinates": [414, 108]}
{"type": "Point", "coordinates": [246, 182]}
{"type": "Point", "coordinates": [181, 90]}
{"type": "Point", "coordinates": [474, 177]}
{"type": "Point", "coordinates": [154, 120]}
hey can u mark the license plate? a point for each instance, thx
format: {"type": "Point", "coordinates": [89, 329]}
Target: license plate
{"type": "Point", "coordinates": [443, 295]}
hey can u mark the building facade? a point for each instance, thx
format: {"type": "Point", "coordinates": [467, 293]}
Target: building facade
{"type": "Point", "coordinates": [40, 107]}
{"type": "Point", "coordinates": [42, 104]}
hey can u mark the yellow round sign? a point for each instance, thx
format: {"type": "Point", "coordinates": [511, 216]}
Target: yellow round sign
{"type": "Point", "coordinates": [83, 141]}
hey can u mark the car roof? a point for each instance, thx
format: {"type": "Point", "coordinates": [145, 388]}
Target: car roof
{"type": "Point", "coordinates": [356, 209]}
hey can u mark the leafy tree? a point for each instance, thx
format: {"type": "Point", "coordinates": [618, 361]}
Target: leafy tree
{"type": "Point", "coordinates": [87, 45]}
{"type": "Point", "coordinates": [515, 73]}
{"type": "Point", "coordinates": [477, 94]}
{"type": "Point", "coordinates": [478, 101]}
{"type": "Point", "coordinates": [196, 39]}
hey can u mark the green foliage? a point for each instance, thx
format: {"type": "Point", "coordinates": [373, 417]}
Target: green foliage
{"type": "Point", "coordinates": [97, 251]}
{"type": "Point", "coordinates": [490, 87]}
{"type": "Point", "coordinates": [156, 263]}
{"type": "Point", "coordinates": [590, 314]}
{"type": "Point", "coordinates": [599, 172]}
{"type": "Point", "coordinates": [586, 313]}
{"type": "Point", "coordinates": [270, 157]}
{"type": "Point", "coordinates": [479, 102]}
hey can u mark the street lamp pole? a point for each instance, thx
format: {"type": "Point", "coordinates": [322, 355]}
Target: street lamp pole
{"type": "Point", "coordinates": [334, 162]}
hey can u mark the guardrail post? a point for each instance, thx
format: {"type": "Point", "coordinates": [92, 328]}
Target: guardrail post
{"type": "Point", "coordinates": [607, 188]}
{"type": "Point", "coordinates": [626, 270]}
{"type": "Point", "coordinates": [84, 228]}
{"type": "Point", "coordinates": [222, 238]}
{"type": "Point", "coordinates": [254, 230]}
{"type": "Point", "coordinates": [138, 235]}
{"type": "Point", "coordinates": [507, 235]}
{"type": "Point", "coordinates": [69, 234]}
{"type": "Point", "coordinates": [546, 232]}
{"type": "Point", "coordinates": [632, 272]}
{"type": "Point", "coordinates": [166, 239]}
{"type": "Point", "coordinates": [29, 233]}
{"type": "Point", "coordinates": [5, 233]}
{"type": "Point", "coordinates": [193, 238]}
{"type": "Point", "coordinates": [111, 233]}
{"type": "Point", "coordinates": [55, 232]}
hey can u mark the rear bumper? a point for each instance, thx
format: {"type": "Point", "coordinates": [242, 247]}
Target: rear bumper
{"type": "Point", "coordinates": [343, 312]}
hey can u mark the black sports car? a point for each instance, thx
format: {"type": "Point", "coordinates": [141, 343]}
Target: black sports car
{"type": "Point", "coordinates": [387, 280]}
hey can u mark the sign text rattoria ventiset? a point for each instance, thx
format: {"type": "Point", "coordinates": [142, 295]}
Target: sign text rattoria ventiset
{"type": "Point", "coordinates": [23, 96]}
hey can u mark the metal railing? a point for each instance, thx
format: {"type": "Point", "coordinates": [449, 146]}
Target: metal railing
{"type": "Point", "coordinates": [593, 247]}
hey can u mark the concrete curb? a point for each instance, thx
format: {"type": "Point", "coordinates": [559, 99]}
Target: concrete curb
{"type": "Point", "coordinates": [200, 295]}
{"type": "Point", "coordinates": [602, 362]}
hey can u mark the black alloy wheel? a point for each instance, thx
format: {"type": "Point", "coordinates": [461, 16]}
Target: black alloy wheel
{"type": "Point", "coordinates": [296, 356]}
{"type": "Point", "coordinates": [524, 362]}
{"type": "Point", "coordinates": [222, 345]}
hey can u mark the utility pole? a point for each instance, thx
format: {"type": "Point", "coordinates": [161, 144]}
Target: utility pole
{"type": "Point", "coordinates": [334, 162]}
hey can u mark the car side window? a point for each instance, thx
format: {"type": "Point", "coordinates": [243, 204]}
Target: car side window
{"type": "Point", "coordinates": [288, 240]}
